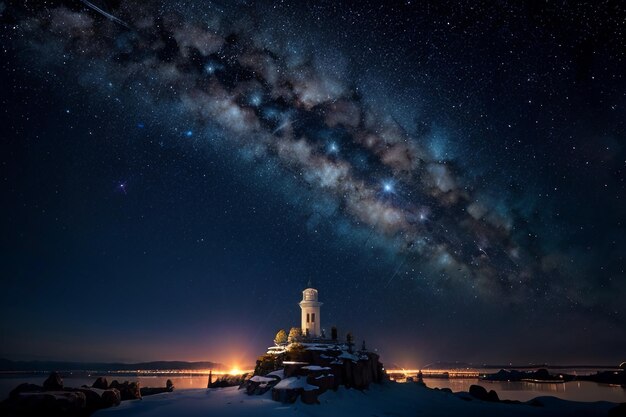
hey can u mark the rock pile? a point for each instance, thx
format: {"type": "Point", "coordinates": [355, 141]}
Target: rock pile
{"type": "Point", "coordinates": [308, 371]}
{"type": "Point", "coordinates": [53, 399]}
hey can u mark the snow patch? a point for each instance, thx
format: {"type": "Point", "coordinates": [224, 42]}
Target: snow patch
{"type": "Point", "coordinates": [316, 368]}
{"type": "Point", "coordinates": [295, 383]}
{"type": "Point", "coordinates": [262, 379]}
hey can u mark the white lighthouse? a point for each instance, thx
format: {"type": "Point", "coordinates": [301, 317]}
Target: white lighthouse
{"type": "Point", "coordinates": [310, 307]}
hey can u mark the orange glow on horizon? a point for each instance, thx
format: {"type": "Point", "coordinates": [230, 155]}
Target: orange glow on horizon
{"type": "Point", "coordinates": [236, 371]}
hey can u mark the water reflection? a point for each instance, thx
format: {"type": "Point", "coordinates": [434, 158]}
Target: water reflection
{"type": "Point", "coordinates": [521, 391]}
{"type": "Point", "coordinates": [524, 391]}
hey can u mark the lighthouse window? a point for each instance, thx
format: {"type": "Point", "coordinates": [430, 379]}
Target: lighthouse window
{"type": "Point", "coordinates": [307, 317]}
{"type": "Point", "coordinates": [313, 317]}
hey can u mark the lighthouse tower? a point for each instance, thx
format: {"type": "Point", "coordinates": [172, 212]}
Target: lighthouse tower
{"type": "Point", "coordinates": [310, 313]}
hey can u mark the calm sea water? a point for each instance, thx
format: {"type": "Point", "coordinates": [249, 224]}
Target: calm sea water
{"type": "Point", "coordinates": [522, 391]}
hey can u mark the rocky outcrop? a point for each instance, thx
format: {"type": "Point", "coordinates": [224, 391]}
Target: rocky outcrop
{"type": "Point", "coordinates": [318, 367]}
{"type": "Point", "coordinates": [48, 403]}
{"type": "Point", "coordinates": [52, 399]}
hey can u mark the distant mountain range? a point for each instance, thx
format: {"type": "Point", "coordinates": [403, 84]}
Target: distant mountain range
{"type": "Point", "coordinates": [25, 366]}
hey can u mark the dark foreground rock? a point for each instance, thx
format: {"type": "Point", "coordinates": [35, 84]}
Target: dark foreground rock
{"type": "Point", "coordinates": [169, 387]}
{"type": "Point", "coordinates": [128, 390]}
{"type": "Point", "coordinates": [481, 393]}
{"type": "Point", "coordinates": [54, 382]}
{"type": "Point", "coordinates": [98, 398]}
{"type": "Point", "coordinates": [322, 364]}
{"type": "Point", "coordinates": [35, 400]}
{"type": "Point", "coordinates": [259, 385]}
{"type": "Point", "coordinates": [101, 383]}
{"type": "Point", "coordinates": [111, 397]}
{"type": "Point", "coordinates": [25, 388]}
{"type": "Point", "coordinates": [310, 396]}
{"type": "Point", "coordinates": [287, 396]}
{"type": "Point", "coordinates": [47, 403]}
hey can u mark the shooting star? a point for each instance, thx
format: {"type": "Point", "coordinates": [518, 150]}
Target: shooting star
{"type": "Point", "coordinates": [105, 14]}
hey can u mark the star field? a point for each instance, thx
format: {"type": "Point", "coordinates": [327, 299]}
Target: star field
{"type": "Point", "coordinates": [443, 171]}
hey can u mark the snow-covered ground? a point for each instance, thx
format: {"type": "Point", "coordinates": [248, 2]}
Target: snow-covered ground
{"type": "Point", "coordinates": [390, 399]}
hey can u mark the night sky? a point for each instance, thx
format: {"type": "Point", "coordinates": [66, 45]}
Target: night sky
{"type": "Point", "coordinates": [450, 176]}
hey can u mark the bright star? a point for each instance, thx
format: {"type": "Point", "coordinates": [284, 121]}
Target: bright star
{"type": "Point", "coordinates": [388, 186]}
{"type": "Point", "coordinates": [333, 148]}
{"type": "Point", "coordinates": [189, 133]}
{"type": "Point", "coordinates": [256, 100]}
{"type": "Point", "coordinates": [423, 214]}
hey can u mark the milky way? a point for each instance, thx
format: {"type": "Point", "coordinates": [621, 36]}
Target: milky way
{"type": "Point", "coordinates": [281, 107]}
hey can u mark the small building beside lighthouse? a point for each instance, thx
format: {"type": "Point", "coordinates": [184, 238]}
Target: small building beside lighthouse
{"type": "Point", "coordinates": [310, 307]}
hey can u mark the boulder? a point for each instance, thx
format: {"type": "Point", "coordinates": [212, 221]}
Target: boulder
{"type": "Point", "coordinates": [128, 390]}
{"type": "Point", "coordinates": [54, 382]}
{"type": "Point", "coordinates": [101, 383]}
{"type": "Point", "coordinates": [288, 396]}
{"type": "Point", "coordinates": [310, 396]}
{"type": "Point", "coordinates": [259, 385]}
{"type": "Point", "coordinates": [481, 393]}
{"type": "Point", "coordinates": [293, 369]}
{"type": "Point", "coordinates": [111, 397]}
{"type": "Point", "coordinates": [493, 396]}
{"type": "Point", "coordinates": [93, 397]}
{"type": "Point", "coordinates": [249, 384]}
{"type": "Point", "coordinates": [169, 387]}
{"type": "Point", "coordinates": [48, 403]}
{"type": "Point", "coordinates": [98, 398]}
{"type": "Point", "coordinates": [324, 382]}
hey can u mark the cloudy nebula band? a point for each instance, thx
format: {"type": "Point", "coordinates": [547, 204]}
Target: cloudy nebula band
{"type": "Point", "coordinates": [272, 103]}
